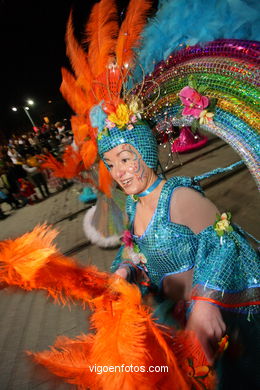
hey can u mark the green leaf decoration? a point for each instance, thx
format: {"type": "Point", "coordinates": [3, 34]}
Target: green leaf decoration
{"type": "Point", "coordinates": [229, 215]}
{"type": "Point", "coordinates": [195, 125]}
{"type": "Point", "coordinates": [136, 248]}
{"type": "Point", "coordinates": [202, 89]}
{"type": "Point", "coordinates": [212, 105]}
{"type": "Point", "coordinates": [192, 82]}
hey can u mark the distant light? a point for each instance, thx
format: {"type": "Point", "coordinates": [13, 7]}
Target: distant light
{"type": "Point", "coordinates": [49, 101]}
{"type": "Point", "coordinates": [31, 102]}
{"type": "Point", "coordinates": [14, 108]}
{"type": "Point", "coordinates": [27, 108]}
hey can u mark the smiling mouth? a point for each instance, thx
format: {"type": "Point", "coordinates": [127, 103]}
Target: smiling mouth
{"type": "Point", "coordinates": [126, 182]}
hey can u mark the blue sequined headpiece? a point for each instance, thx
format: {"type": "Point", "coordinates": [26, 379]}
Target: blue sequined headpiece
{"type": "Point", "coordinates": [140, 137]}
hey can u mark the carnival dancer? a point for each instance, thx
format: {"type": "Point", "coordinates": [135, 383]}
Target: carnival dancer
{"type": "Point", "coordinates": [176, 246]}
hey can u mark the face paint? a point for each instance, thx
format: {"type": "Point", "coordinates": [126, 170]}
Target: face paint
{"type": "Point", "coordinates": [128, 168]}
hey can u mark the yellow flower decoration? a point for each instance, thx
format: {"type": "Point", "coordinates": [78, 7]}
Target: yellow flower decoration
{"type": "Point", "coordinates": [222, 224]}
{"type": "Point", "coordinates": [121, 117]}
{"type": "Point", "coordinates": [135, 105]}
{"type": "Point", "coordinates": [205, 117]}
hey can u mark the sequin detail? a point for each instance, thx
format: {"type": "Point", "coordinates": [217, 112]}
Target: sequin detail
{"type": "Point", "coordinates": [226, 272]}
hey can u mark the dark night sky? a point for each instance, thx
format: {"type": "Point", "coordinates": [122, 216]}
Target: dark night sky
{"type": "Point", "coordinates": [32, 54]}
{"type": "Point", "coordinates": [33, 51]}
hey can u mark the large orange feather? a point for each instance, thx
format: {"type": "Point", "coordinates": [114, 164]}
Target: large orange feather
{"type": "Point", "coordinates": [80, 128]}
{"type": "Point", "coordinates": [101, 32]}
{"type": "Point", "coordinates": [50, 162]}
{"type": "Point", "coordinates": [22, 257]}
{"type": "Point", "coordinates": [105, 180]}
{"type": "Point", "coordinates": [131, 28]}
{"type": "Point", "coordinates": [78, 58]}
{"type": "Point", "coordinates": [88, 153]}
{"type": "Point", "coordinates": [73, 94]}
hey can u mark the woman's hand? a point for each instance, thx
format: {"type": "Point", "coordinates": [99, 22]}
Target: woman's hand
{"type": "Point", "coordinates": [206, 321]}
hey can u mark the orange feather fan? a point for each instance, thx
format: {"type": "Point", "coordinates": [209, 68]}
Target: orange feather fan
{"type": "Point", "coordinates": [126, 333]}
{"type": "Point", "coordinates": [126, 336]}
{"type": "Point", "coordinates": [104, 179]}
{"type": "Point", "coordinates": [33, 262]}
{"type": "Point", "coordinates": [101, 33]}
{"type": "Point", "coordinates": [131, 28]}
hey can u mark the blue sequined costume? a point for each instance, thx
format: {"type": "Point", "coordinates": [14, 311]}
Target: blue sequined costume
{"type": "Point", "coordinates": [225, 270]}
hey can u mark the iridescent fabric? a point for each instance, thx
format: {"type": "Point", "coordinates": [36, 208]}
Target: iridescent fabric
{"type": "Point", "coordinates": [141, 137]}
{"type": "Point", "coordinates": [226, 271]}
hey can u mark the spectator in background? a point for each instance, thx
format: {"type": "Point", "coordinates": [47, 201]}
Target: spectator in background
{"type": "Point", "coordinates": [35, 176]}
{"type": "Point", "coordinates": [27, 190]}
{"type": "Point", "coordinates": [6, 191]}
{"type": "Point", "coordinates": [2, 215]}
{"type": "Point", "coordinates": [14, 155]}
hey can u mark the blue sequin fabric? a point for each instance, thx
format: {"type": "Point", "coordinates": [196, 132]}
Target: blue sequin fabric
{"type": "Point", "coordinates": [141, 137]}
{"type": "Point", "coordinates": [226, 270]}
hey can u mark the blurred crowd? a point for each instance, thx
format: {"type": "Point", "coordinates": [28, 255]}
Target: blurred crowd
{"type": "Point", "coordinates": [22, 179]}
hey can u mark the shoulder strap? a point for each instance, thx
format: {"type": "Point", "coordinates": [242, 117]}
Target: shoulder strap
{"type": "Point", "coordinates": [130, 208]}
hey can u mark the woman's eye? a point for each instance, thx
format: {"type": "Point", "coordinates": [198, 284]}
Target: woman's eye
{"type": "Point", "coordinates": [109, 166]}
{"type": "Point", "coordinates": [125, 160]}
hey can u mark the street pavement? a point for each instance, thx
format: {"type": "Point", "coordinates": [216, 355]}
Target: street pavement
{"type": "Point", "coordinates": [31, 321]}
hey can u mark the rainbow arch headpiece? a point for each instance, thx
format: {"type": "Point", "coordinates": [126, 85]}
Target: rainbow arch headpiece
{"type": "Point", "coordinates": [214, 85]}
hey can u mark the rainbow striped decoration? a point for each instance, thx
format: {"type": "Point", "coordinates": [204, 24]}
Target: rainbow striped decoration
{"type": "Point", "coordinates": [229, 68]}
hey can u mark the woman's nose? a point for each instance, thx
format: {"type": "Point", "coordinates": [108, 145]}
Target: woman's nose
{"type": "Point", "coordinates": [118, 172]}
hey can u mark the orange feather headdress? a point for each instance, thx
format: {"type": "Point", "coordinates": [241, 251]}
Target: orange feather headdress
{"type": "Point", "coordinates": [100, 71]}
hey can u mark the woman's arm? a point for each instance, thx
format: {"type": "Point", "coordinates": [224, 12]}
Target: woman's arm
{"type": "Point", "coordinates": [190, 208]}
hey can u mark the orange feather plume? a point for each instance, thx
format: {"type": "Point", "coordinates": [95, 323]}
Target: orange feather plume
{"type": "Point", "coordinates": [105, 180]}
{"type": "Point", "coordinates": [126, 336]}
{"type": "Point", "coordinates": [33, 262]}
{"type": "Point", "coordinates": [73, 94]}
{"type": "Point", "coordinates": [77, 283]}
{"type": "Point", "coordinates": [72, 162]}
{"type": "Point", "coordinates": [50, 162]}
{"type": "Point", "coordinates": [70, 167]}
{"type": "Point", "coordinates": [21, 258]}
{"type": "Point", "coordinates": [88, 153]}
{"type": "Point", "coordinates": [70, 360]}
{"type": "Point", "coordinates": [101, 33]}
{"type": "Point", "coordinates": [126, 333]}
{"type": "Point", "coordinates": [78, 58]}
{"type": "Point", "coordinates": [131, 28]}
{"type": "Point", "coordinates": [80, 128]}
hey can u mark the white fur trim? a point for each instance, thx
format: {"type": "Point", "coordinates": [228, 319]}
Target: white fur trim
{"type": "Point", "coordinates": [94, 235]}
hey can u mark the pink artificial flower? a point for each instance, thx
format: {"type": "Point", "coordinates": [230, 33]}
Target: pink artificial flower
{"type": "Point", "coordinates": [127, 239]}
{"type": "Point", "coordinates": [130, 127]}
{"type": "Point", "coordinates": [133, 118]}
{"type": "Point", "coordinates": [109, 124]}
{"type": "Point", "coordinates": [193, 101]}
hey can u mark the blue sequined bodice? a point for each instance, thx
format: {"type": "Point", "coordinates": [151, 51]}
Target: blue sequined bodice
{"type": "Point", "coordinates": [169, 247]}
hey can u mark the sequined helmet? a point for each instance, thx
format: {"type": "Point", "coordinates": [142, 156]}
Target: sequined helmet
{"type": "Point", "coordinates": [140, 137]}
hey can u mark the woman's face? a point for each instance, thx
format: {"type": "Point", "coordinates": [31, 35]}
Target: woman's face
{"type": "Point", "coordinates": [128, 169]}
